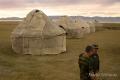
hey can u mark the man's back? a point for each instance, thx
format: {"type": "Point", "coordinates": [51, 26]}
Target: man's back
{"type": "Point", "coordinates": [84, 67]}
{"type": "Point", "coordinates": [95, 62]}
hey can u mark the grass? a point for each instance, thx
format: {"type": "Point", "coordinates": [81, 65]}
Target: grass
{"type": "Point", "coordinates": [114, 26]}
{"type": "Point", "coordinates": [58, 67]}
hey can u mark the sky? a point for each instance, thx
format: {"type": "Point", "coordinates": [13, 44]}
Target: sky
{"type": "Point", "coordinates": [20, 8]}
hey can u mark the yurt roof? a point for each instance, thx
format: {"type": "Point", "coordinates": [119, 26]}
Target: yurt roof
{"type": "Point", "coordinates": [66, 22]}
{"type": "Point", "coordinates": [81, 23]}
{"type": "Point", "coordinates": [36, 24]}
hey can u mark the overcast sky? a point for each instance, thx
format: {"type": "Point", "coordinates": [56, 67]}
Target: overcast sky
{"type": "Point", "coordinates": [19, 8]}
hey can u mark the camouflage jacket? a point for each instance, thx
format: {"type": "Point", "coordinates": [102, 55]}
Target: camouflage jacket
{"type": "Point", "coordinates": [95, 62]}
{"type": "Point", "coordinates": [85, 67]}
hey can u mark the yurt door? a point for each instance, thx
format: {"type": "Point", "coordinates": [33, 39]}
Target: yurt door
{"type": "Point", "coordinates": [26, 46]}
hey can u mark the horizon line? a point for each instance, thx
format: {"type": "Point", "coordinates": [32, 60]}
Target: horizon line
{"type": "Point", "coordinates": [62, 15]}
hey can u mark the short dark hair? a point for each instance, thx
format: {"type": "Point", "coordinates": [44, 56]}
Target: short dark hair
{"type": "Point", "coordinates": [89, 48]}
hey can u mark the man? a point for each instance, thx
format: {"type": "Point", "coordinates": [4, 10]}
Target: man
{"type": "Point", "coordinates": [95, 59]}
{"type": "Point", "coordinates": [85, 64]}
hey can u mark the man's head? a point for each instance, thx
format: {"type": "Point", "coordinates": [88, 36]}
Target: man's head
{"type": "Point", "coordinates": [89, 50]}
{"type": "Point", "coordinates": [96, 47]}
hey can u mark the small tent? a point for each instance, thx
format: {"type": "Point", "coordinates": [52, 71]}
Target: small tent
{"type": "Point", "coordinates": [72, 30]}
{"type": "Point", "coordinates": [38, 35]}
{"type": "Point", "coordinates": [84, 25]}
{"type": "Point", "coordinates": [98, 25]}
{"type": "Point", "coordinates": [92, 26]}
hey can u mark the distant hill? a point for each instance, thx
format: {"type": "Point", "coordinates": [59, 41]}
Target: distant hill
{"type": "Point", "coordinates": [104, 19]}
{"type": "Point", "coordinates": [11, 18]}
{"type": "Point", "coordinates": [100, 19]}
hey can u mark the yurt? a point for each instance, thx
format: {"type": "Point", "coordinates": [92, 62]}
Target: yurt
{"type": "Point", "coordinates": [92, 26]}
{"type": "Point", "coordinates": [84, 25]}
{"type": "Point", "coordinates": [98, 26]}
{"type": "Point", "coordinates": [38, 35]}
{"type": "Point", "coordinates": [72, 30]}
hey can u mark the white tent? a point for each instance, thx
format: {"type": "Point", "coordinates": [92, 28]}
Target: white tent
{"type": "Point", "coordinates": [98, 25]}
{"type": "Point", "coordinates": [72, 30]}
{"type": "Point", "coordinates": [92, 26]}
{"type": "Point", "coordinates": [84, 25]}
{"type": "Point", "coordinates": [38, 35]}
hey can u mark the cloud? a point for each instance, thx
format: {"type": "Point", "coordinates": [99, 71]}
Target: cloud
{"type": "Point", "coordinates": [60, 7]}
{"type": "Point", "coordinates": [11, 3]}
{"type": "Point", "coordinates": [74, 2]}
{"type": "Point", "coordinates": [27, 3]}
{"type": "Point", "coordinates": [110, 1]}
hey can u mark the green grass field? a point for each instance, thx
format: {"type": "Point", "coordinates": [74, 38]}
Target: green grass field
{"type": "Point", "coordinates": [58, 67]}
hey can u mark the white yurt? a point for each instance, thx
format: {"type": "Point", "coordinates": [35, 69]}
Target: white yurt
{"type": "Point", "coordinates": [98, 25]}
{"type": "Point", "coordinates": [84, 25]}
{"type": "Point", "coordinates": [38, 35]}
{"type": "Point", "coordinates": [72, 30]}
{"type": "Point", "coordinates": [92, 26]}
